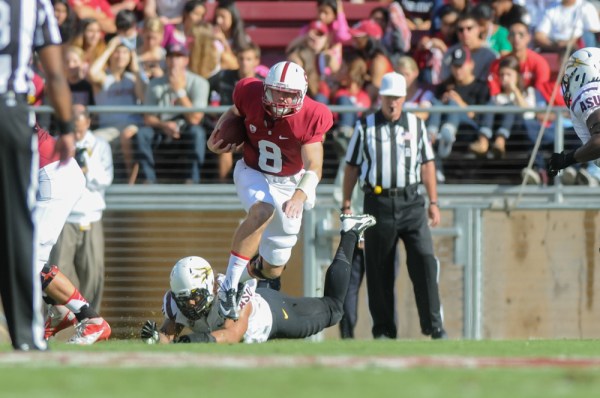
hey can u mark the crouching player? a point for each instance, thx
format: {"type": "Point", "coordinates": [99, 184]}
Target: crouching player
{"type": "Point", "coordinates": [60, 186]}
{"type": "Point", "coordinates": [265, 314]}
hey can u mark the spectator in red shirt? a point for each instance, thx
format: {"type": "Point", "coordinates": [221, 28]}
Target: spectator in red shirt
{"type": "Point", "coordinates": [535, 70]}
{"type": "Point", "coordinates": [366, 38]}
{"type": "Point", "coordinates": [97, 9]}
{"type": "Point", "coordinates": [352, 78]}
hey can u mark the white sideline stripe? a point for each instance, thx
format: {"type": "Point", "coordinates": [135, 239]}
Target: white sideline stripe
{"type": "Point", "coordinates": [178, 360]}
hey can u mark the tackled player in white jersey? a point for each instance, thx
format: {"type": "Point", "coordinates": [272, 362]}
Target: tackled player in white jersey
{"type": "Point", "coordinates": [265, 313]}
{"type": "Point", "coordinates": [581, 92]}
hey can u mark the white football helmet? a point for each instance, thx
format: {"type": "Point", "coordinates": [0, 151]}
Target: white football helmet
{"type": "Point", "coordinates": [284, 89]}
{"type": "Point", "coordinates": [192, 278]}
{"type": "Point", "coordinates": [582, 67]}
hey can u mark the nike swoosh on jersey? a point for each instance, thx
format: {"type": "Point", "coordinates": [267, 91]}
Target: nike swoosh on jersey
{"type": "Point", "coordinates": [285, 315]}
{"type": "Point", "coordinates": [283, 138]}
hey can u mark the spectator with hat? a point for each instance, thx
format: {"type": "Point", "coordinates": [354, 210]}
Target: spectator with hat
{"type": "Point", "coordinates": [181, 132]}
{"type": "Point", "coordinates": [462, 89]}
{"type": "Point", "coordinates": [366, 38]}
{"type": "Point", "coordinates": [320, 59]}
{"type": "Point", "coordinates": [391, 155]}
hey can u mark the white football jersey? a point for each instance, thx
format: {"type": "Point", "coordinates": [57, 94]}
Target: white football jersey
{"type": "Point", "coordinates": [585, 102]}
{"type": "Point", "coordinates": [260, 320]}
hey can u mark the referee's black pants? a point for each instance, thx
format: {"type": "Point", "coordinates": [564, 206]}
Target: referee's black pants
{"type": "Point", "coordinates": [405, 218]}
{"type": "Point", "coordinates": [19, 282]}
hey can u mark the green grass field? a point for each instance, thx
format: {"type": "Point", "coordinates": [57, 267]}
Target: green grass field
{"type": "Point", "coordinates": [287, 369]}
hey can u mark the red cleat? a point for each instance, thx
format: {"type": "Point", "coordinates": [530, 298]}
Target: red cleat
{"type": "Point", "coordinates": [90, 331]}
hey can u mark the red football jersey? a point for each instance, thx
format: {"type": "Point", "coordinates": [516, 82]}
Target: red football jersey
{"type": "Point", "coordinates": [273, 146]}
{"type": "Point", "coordinates": [46, 148]}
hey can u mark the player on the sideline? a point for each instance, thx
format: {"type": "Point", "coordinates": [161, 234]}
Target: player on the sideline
{"type": "Point", "coordinates": [278, 175]}
{"type": "Point", "coordinates": [60, 186]}
{"type": "Point", "coordinates": [581, 91]}
{"type": "Point", "coordinates": [265, 313]}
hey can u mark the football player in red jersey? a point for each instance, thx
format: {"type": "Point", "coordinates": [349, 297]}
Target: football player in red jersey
{"type": "Point", "coordinates": [278, 175]}
{"type": "Point", "coordinates": [60, 186]}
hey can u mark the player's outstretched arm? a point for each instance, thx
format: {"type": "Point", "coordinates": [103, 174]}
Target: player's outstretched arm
{"type": "Point", "coordinates": [169, 330]}
{"type": "Point", "coordinates": [233, 331]}
{"type": "Point", "coordinates": [588, 152]}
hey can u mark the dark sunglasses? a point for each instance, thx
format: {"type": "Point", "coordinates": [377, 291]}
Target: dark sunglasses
{"type": "Point", "coordinates": [464, 28]}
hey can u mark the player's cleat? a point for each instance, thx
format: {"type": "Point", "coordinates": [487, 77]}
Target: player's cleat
{"type": "Point", "coordinates": [228, 306]}
{"type": "Point", "coordinates": [89, 331]}
{"type": "Point", "coordinates": [59, 317]}
{"type": "Point", "coordinates": [357, 223]}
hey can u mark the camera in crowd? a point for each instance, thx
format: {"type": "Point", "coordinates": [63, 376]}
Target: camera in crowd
{"type": "Point", "coordinates": [80, 157]}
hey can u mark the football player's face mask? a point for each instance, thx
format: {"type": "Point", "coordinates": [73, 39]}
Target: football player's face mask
{"type": "Point", "coordinates": [582, 67]}
{"type": "Point", "coordinates": [194, 305]}
{"type": "Point", "coordinates": [192, 283]}
{"type": "Point", "coordinates": [284, 89]}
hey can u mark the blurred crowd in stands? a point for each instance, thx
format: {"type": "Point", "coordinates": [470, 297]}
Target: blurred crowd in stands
{"type": "Point", "coordinates": [191, 53]}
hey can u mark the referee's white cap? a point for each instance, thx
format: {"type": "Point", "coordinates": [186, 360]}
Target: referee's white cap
{"type": "Point", "coordinates": [393, 85]}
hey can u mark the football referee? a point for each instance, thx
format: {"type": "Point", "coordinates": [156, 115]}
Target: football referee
{"type": "Point", "coordinates": [390, 153]}
{"type": "Point", "coordinates": [27, 26]}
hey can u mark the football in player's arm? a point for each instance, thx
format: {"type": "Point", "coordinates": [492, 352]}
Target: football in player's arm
{"type": "Point", "coordinates": [278, 175]}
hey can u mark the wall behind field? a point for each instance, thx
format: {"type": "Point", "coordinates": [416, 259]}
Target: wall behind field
{"type": "Point", "coordinates": [539, 279]}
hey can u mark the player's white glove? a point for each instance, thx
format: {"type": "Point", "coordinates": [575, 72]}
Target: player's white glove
{"type": "Point", "coordinates": [149, 332]}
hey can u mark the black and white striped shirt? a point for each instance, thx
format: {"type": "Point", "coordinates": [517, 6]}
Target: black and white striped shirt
{"type": "Point", "coordinates": [25, 25]}
{"type": "Point", "coordinates": [389, 154]}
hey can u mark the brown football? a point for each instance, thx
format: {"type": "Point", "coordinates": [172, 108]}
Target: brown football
{"type": "Point", "coordinates": [232, 131]}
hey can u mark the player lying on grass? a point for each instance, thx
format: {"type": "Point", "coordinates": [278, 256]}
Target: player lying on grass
{"type": "Point", "coordinates": [264, 313]}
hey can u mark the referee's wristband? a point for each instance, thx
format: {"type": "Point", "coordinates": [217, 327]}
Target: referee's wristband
{"type": "Point", "coordinates": [433, 203]}
{"type": "Point", "coordinates": [65, 127]}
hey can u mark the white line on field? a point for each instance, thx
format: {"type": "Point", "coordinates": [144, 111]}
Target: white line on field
{"type": "Point", "coordinates": [176, 360]}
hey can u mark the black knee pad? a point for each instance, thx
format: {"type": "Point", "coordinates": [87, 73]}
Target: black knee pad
{"type": "Point", "coordinates": [48, 274]}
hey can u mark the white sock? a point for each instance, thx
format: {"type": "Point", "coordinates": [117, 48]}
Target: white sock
{"type": "Point", "coordinates": [235, 269]}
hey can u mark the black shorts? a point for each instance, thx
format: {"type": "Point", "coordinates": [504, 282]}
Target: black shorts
{"type": "Point", "coordinates": [298, 317]}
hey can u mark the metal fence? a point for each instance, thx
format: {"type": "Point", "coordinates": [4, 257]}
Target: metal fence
{"type": "Point", "coordinates": [460, 167]}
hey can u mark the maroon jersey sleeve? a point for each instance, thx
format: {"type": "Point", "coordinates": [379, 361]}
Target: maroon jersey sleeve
{"type": "Point", "coordinates": [246, 92]}
{"type": "Point", "coordinates": [316, 119]}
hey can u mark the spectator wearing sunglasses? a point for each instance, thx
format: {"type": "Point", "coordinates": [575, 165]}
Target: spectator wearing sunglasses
{"type": "Point", "coordinates": [468, 31]}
